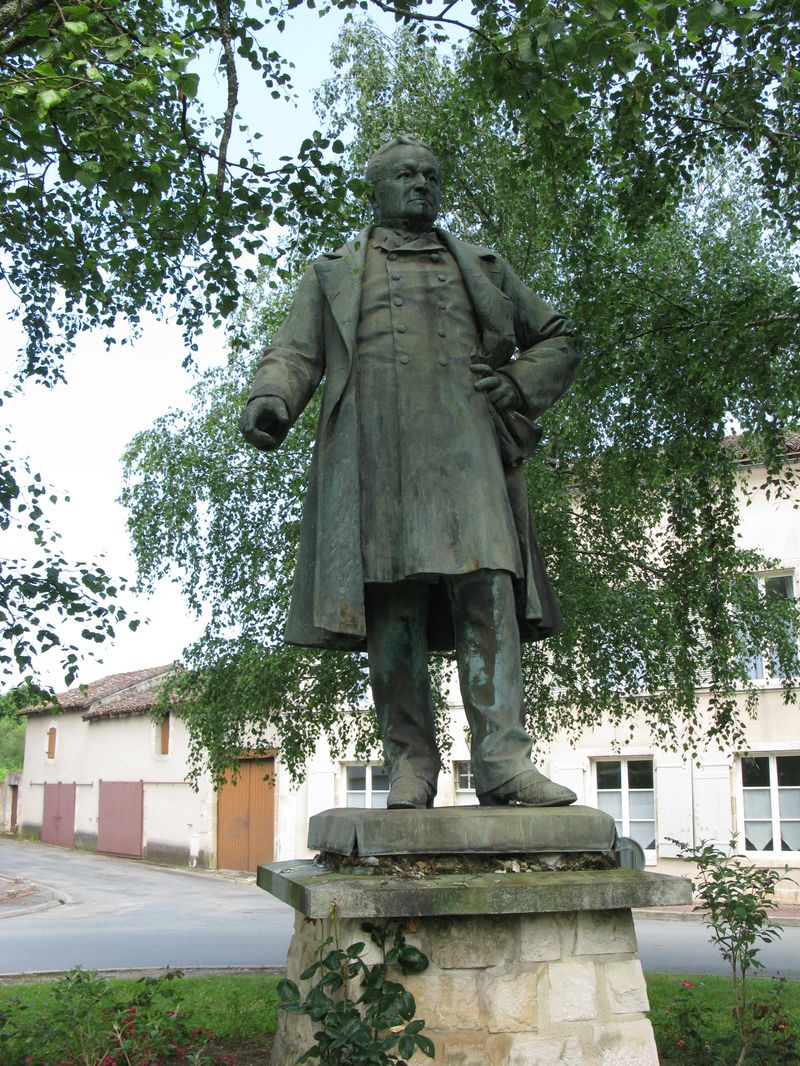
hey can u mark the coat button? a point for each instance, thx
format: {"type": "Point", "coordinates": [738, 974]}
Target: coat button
{"type": "Point", "coordinates": [442, 277]}
{"type": "Point", "coordinates": [442, 361]}
{"type": "Point", "coordinates": [398, 302]}
{"type": "Point", "coordinates": [442, 332]}
{"type": "Point", "coordinates": [400, 329]}
{"type": "Point", "coordinates": [392, 255]}
{"type": "Point", "coordinates": [442, 307]}
{"type": "Point", "coordinates": [404, 359]}
{"type": "Point", "coordinates": [435, 257]}
{"type": "Point", "coordinates": [395, 277]}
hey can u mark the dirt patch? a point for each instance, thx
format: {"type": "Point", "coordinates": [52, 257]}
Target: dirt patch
{"type": "Point", "coordinates": [15, 891]}
{"type": "Point", "coordinates": [238, 1052]}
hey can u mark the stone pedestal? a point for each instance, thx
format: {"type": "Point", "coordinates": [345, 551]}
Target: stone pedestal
{"type": "Point", "coordinates": [526, 969]}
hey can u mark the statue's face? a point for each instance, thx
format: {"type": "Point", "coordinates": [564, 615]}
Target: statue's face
{"type": "Point", "coordinates": [407, 193]}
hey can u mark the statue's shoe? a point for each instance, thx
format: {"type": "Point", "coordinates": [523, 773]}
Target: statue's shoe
{"type": "Point", "coordinates": [531, 789]}
{"type": "Point", "coordinates": [409, 792]}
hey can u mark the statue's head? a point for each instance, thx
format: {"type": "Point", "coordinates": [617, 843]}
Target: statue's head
{"type": "Point", "coordinates": [404, 176]}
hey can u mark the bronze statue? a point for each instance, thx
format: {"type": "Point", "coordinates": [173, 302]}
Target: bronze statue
{"type": "Point", "coordinates": [416, 533]}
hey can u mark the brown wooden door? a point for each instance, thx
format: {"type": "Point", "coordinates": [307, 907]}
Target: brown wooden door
{"type": "Point", "coordinates": [58, 821]}
{"type": "Point", "coordinates": [246, 818]}
{"type": "Point", "coordinates": [14, 806]}
{"type": "Point", "coordinates": [120, 816]}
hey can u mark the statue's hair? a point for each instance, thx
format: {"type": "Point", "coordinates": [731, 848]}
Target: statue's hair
{"type": "Point", "coordinates": [377, 163]}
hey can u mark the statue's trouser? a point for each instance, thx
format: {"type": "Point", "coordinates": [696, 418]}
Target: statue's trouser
{"type": "Point", "coordinates": [489, 670]}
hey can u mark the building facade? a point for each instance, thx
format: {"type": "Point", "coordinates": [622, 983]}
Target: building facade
{"type": "Point", "coordinates": [104, 773]}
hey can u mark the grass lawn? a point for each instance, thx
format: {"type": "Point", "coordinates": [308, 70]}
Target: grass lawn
{"type": "Point", "coordinates": [712, 999]}
{"type": "Point", "coordinates": [241, 1010]}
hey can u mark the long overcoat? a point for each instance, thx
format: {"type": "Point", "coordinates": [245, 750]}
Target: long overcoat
{"type": "Point", "coordinates": [318, 339]}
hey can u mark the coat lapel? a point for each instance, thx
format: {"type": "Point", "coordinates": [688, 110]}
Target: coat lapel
{"type": "Point", "coordinates": [494, 309]}
{"type": "Point", "coordinates": [340, 275]}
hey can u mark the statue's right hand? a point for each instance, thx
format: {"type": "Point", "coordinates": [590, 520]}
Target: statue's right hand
{"type": "Point", "coordinates": [264, 422]}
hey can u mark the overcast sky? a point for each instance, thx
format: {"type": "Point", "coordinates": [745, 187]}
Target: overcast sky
{"type": "Point", "coordinates": [74, 434]}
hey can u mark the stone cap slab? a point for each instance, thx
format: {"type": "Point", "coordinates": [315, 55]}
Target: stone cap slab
{"type": "Point", "coordinates": [318, 892]}
{"type": "Point", "coordinates": [462, 830]}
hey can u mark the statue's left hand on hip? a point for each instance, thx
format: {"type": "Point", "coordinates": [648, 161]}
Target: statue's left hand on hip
{"type": "Point", "coordinates": [498, 388]}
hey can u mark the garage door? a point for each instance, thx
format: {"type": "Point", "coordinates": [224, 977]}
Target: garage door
{"type": "Point", "coordinates": [58, 823]}
{"type": "Point", "coordinates": [119, 818]}
{"type": "Point", "coordinates": [246, 818]}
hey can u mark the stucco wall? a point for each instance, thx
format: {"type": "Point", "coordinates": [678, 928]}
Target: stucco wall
{"type": "Point", "coordinates": [178, 824]}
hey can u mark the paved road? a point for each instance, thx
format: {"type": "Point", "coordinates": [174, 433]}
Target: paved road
{"type": "Point", "coordinates": [123, 914]}
{"type": "Point", "coordinates": [683, 947]}
{"type": "Point", "coordinates": [120, 913]}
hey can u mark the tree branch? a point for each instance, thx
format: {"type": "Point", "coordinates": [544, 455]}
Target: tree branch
{"type": "Point", "coordinates": [716, 323]}
{"type": "Point", "coordinates": [229, 63]}
{"type": "Point", "coordinates": [656, 292]}
{"type": "Point", "coordinates": [731, 122]}
{"type": "Point", "coordinates": [417, 16]}
{"type": "Point", "coordinates": [193, 146]}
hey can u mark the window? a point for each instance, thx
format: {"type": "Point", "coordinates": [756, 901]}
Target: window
{"type": "Point", "coordinates": [771, 802]}
{"type": "Point", "coordinates": [760, 665]}
{"type": "Point", "coordinates": [51, 742]}
{"type": "Point", "coordinates": [367, 786]}
{"type": "Point", "coordinates": [625, 791]}
{"type": "Point", "coordinates": [464, 779]}
{"type": "Point", "coordinates": [163, 734]}
{"type": "Point", "coordinates": [464, 782]}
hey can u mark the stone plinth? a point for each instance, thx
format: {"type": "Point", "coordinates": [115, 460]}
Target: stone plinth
{"type": "Point", "coordinates": [463, 831]}
{"type": "Point", "coordinates": [529, 969]}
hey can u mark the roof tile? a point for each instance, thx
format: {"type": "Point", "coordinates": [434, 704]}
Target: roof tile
{"type": "Point", "coordinates": [112, 690]}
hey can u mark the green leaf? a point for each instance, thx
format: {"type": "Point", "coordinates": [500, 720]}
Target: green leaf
{"type": "Point", "coordinates": [87, 178]}
{"type": "Point", "coordinates": [426, 1046]}
{"type": "Point", "coordinates": [48, 99]}
{"type": "Point", "coordinates": [698, 19]}
{"type": "Point", "coordinates": [188, 84]}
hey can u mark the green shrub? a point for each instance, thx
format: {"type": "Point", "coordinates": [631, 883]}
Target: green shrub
{"type": "Point", "coordinates": [694, 1021]}
{"type": "Point", "coordinates": [738, 897]}
{"type": "Point", "coordinates": [86, 1020]}
{"type": "Point", "coordinates": [364, 1031]}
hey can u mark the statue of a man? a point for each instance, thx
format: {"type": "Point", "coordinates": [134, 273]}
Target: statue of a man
{"type": "Point", "coordinates": [416, 532]}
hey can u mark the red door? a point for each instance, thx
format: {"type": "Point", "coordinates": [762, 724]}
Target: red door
{"type": "Point", "coordinates": [120, 818]}
{"type": "Point", "coordinates": [58, 822]}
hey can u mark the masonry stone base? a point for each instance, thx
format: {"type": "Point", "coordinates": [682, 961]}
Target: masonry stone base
{"type": "Point", "coordinates": [506, 990]}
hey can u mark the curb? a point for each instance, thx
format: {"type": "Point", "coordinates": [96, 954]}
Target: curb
{"type": "Point", "coordinates": [38, 897]}
{"type": "Point", "coordinates": [46, 905]}
{"type": "Point", "coordinates": [34, 976]}
{"type": "Point", "coordinates": [787, 921]}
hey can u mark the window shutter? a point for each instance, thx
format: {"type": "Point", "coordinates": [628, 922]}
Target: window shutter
{"type": "Point", "coordinates": [51, 742]}
{"type": "Point", "coordinates": [570, 771]}
{"type": "Point", "coordinates": [712, 799]}
{"type": "Point", "coordinates": [164, 745]}
{"type": "Point", "coordinates": [673, 802]}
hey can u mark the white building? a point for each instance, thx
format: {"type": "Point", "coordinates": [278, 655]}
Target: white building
{"type": "Point", "coordinates": [102, 773]}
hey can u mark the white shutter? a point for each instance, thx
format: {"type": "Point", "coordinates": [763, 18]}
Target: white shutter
{"type": "Point", "coordinates": [712, 799]}
{"type": "Point", "coordinates": [673, 783]}
{"type": "Point", "coordinates": [320, 791]}
{"type": "Point", "coordinates": [571, 771]}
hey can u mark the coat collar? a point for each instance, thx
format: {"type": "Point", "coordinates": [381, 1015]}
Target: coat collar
{"type": "Point", "coordinates": [340, 275]}
{"type": "Point", "coordinates": [358, 247]}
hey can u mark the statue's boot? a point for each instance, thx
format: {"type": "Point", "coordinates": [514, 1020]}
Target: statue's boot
{"type": "Point", "coordinates": [530, 789]}
{"type": "Point", "coordinates": [409, 792]}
